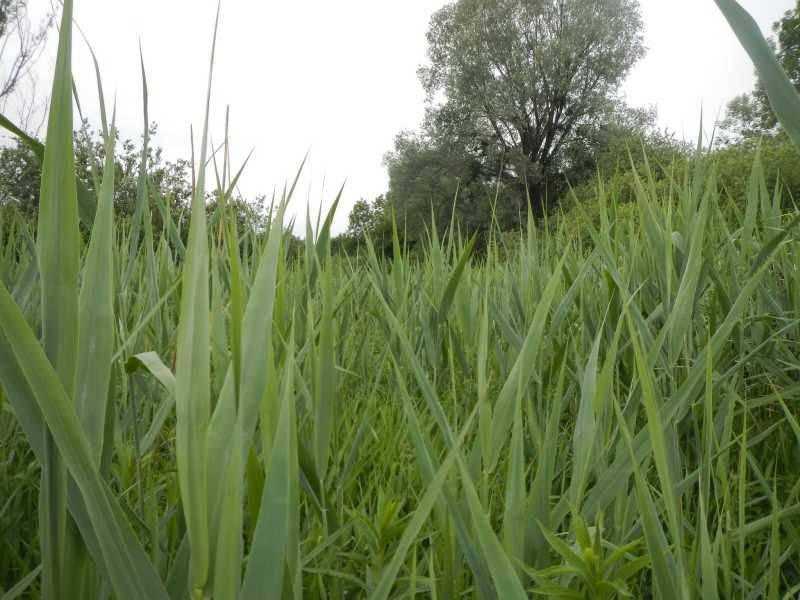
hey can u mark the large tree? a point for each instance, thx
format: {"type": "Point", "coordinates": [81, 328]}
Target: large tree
{"type": "Point", "coordinates": [514, 83]}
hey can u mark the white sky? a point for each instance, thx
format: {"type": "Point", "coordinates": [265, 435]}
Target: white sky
{"type": "Point", "coordinates": [339, 78]}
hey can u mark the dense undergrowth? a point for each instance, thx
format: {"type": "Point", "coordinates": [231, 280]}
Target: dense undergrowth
{"type": "Point", "coordinates": [603, 413]}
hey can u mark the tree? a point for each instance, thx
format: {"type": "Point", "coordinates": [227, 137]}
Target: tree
{"type": "Point", "coordinates": [431, 178]}
{"type": "Point", "coordinates": [750, 116]}
{"type": "Point", "coordinates": [366, 220]}
{"type": "Point", "coordinates": [515, 83]}
{"type": "Point", "coordinates": [609, 146]}
{"type": "Point", "coordinates": [361, 219]}
{"type": "Point", "coordinates": [171, 179]}
{"type": "Point", "coordinates": [20, 174]}
{"type": "Point", "coordinates": [20, 44]}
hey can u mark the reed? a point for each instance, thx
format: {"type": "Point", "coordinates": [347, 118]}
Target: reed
{"type": "Point", "coordinates": [607, 415]}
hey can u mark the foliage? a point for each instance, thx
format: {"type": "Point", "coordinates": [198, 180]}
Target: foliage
{"type": "Point", "coordinates": [593, 569]}
{"type": "Point", "coordinates": [20, 176]}
{"type": "Point", "coordinates": [515, 84]}
{"type": "Point", "coordinates": [750, 116]}
{"type": "Point", "coordinates": [168, 181]}
{"type": "Point", "coordinates": [230, 422]}
{"type": "Point", "coordinates": [428, 182]}
{"type": "Point", "coordinates": [368, 220]}
{"type": "Point", "coordinates": [547, 435]}
{"type": "Point", "coordinates": [521, 100]}
{"type": "Point", "coordinates": [779, 158]}
{"type": "Point", "coordinates": [20, 172]}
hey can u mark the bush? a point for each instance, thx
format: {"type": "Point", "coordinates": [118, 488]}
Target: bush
{"type": "Point", "coordinates": [780, 163]}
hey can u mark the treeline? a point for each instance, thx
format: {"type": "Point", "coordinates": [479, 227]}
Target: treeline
{"type": "Point", "coordinates": [166, 183]}
{"type": "Point", "coordinates": [523, 115]}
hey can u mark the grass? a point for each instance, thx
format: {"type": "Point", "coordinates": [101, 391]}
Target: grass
{"type": "Point", "coordinates": [606, 413]}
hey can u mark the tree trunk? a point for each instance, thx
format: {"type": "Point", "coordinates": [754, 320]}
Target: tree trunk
{"type": "Point", "coordinates": [536, 189]}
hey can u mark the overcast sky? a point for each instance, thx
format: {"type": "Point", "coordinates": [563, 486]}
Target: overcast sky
{"type": "Point", "coordinates": [338, 79]}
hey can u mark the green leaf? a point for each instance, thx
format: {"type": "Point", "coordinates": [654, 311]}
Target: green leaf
{"type": "Point", "coordinates": [421, 512]}
{"type": "Point", "coordinates": [507, 582]}
{"type": "Point", "coordinates": [662, 560]}
{"type": "Point", "coordinates": [193, 371]}
{"type": "Point", "coordinates": [270, 554]}
{"type": "Point", "coordinates": [22, 585]}
{"type": "Point", "coordinates": [782, 94]}
{"type": "Point", "coordinates": [130, 573]}
{"type": "Point", "coordinates": [523, 369]}
{"type": "Point", "coordinates": [325, 379]}
{"type": "Point", "coordinates": [58, 255]}
{"type": "Point", "coordinates": [96, 315]}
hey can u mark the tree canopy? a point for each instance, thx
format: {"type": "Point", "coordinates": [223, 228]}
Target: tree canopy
{"type": "Point", "coordinates": [522, 96]}
{"type": "Point", "coordinates": [517, 84]}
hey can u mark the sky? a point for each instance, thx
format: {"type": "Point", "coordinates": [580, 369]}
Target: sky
{"type": "Point", "coordinates": [337, 80]}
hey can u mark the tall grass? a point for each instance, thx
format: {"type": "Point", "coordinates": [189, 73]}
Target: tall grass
{"type": "Point", "coordinates": [604, 415]}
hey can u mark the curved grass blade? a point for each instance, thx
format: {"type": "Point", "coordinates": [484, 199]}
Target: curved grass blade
{"type": "Point", "coordinates": [193, 370]}
{"type": "Point", "coordinates": [96, 315]}
{"type": "Point", "coordinates": [522, 371]}
{"type": "Point", "coordinates": [270, 556]}
{"type": "Point", "coordinates": [782, 94]}
{"type": "Point", "coordinates": [130, 573]}
{"type": "Point", "coordinates": [58, 255]}
{"type": "Point", "coordinates": [423, 509]}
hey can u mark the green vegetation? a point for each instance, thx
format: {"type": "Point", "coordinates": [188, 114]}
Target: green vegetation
{"type": "Point", "coordinates": [603, 411]}
{"type": "Point", "coordinates": [520, 97]}
{"type": "Point", "coordinates": [751, 115]}
{"type": "Point", "coordinates": [508, 124]}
